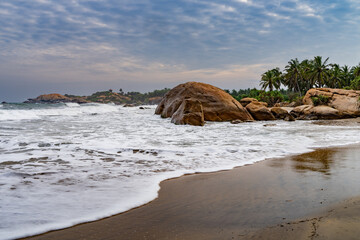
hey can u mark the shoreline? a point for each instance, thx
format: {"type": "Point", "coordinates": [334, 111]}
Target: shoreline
{"type": "Point", "coordinates": [163, 207]}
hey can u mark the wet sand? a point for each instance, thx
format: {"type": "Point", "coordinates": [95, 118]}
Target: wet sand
{"type": "Point", "coordinates": [274, 199]}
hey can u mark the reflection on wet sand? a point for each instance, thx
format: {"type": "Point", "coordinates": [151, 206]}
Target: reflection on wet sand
{"type": "Point", "coordinates": [320, 161]}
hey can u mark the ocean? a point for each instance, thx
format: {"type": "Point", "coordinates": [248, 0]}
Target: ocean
{"type": "Point", "coordinates": [64, 164]}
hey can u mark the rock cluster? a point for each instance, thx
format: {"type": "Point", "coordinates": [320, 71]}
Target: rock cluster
{"type": "Point", "coordinates": [194, 103]}
{"type": "Point", "coordinates": [346, 103]}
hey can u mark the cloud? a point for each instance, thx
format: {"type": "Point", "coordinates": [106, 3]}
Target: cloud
{"type": "Point", "coordinates": [148, 40]}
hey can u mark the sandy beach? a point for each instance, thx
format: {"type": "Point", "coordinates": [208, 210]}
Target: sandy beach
{"type": "Point", "coordinates": [308, 196]}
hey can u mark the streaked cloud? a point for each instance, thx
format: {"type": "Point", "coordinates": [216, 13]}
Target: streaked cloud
{"type": "Point", "coordinates": [165, 41]}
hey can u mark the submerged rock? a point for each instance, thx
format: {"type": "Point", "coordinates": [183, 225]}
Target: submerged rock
{"type": "Point", "coordinates": [237, 121]}
{"type": "Point", "coordinates": [216, 104]}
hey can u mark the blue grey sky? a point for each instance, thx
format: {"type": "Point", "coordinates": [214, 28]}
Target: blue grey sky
{"type": "Point", "coordinates": [81, 46]}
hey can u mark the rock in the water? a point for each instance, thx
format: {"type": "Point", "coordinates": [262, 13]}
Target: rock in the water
{"type": "Point", "coordinates": [190, 112]}
{"type": "Point", "coordinates": [129, 105]}
{"type": "Point", "coordinates": [237, 121]}
{"type": "Point", "coordinates": [289, 118]}
{"type": "Point", "coordinates": [347, 102]}
{"type": "Point", "coordinates": [259, 111]}
{"type": "Point", "coordinates": [281, 113]}
{"type": "Point", "coordinates": [217, 105]}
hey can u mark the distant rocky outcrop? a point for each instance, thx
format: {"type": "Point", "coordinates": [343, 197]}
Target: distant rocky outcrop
{"type": "Point", "coordinates": [119, 98]}
{"type": "Point", "coordinates": [107, 97]}
{"type": "Point", "coordinates": [155, 100]}
{"type": "Point", "coordinates": [49, 98]}
{"type": "Point", "coordinates": [200, 101]}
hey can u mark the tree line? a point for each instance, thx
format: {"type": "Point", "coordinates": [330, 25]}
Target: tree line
{"type": "Point", "coordinates": [300, 76]}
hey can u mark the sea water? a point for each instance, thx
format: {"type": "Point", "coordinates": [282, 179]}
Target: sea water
{"type": "Point", "coordinates": [64, 164]}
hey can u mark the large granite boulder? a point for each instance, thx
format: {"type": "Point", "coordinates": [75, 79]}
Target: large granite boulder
{"type": "Point", "coordinates": [259, 111]}
{"type": "Point", "coordinates": [347, 102]}
{"type": "Point", "coordinates": [217, 105]}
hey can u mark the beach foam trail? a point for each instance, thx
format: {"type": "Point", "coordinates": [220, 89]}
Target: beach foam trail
{"type": "Point", "coordinates": [65, 164]}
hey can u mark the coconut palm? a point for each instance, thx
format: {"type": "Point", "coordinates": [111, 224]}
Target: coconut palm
{"type": "Point", "coordinates": [346, 76]}
{"type": "Point", "coordinates": [271, 79]}
{"type": "Point", "coordinates": [293, 76]}
{"type": "Point", "coordinates": [356, 71]}
{"type": "Point", "coordinates": [306, 82]}
{"type": "Point", "coordinates": [335, 77]}
{"type": "Point", "coordinates": [319, 73]}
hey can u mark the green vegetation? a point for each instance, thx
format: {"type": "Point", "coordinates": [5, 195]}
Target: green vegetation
{"type": "Point", "coordinates": [271, 97]}
{"type": "Point", "coordinates": [137, 97]}
{"type": "Point", "coordinates": [301, 76]}
{"type": "Point", "coordinates": [320, 100]}
{"type": "Point", "coordinates": [355, 84]}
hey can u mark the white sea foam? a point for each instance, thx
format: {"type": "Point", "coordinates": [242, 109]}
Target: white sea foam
{"type": "Point", "coordinates": [70, 104]}
{"type": "Point", "coordinates": [69, 164]}
{"type": "Point", "coordinates": [70, 109]}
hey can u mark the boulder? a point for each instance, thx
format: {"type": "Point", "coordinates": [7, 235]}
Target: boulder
{"type": "Point", "coordinates": [281, 113]}
{"type": "Point", "coordinates": [308, 112]}
{"type": "Point", "coordinates": [259, 111]}
{"type": "Point", "coordinates": [237, 121]}
{"type": "Point", "coordinates": [246, 101]}
{"type": "Point", "coordinates": [298, 111]}
{"type": "Point", "coordinates": [217, 105]}
{"type": "Point", "coordinates": [190, 112]}
{"type": "Point", "coordinates": [347, 102]}
{"type": "Point", "coordinates": [323, 112]}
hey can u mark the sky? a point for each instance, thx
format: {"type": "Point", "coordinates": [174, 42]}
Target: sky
{"type": "Point", "coordinates": [83, 46]}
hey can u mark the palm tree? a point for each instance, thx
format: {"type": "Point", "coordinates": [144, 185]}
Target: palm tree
{"type": "Point", "coordinates": [319, 73]}
{"type": "Point", "coordinates": [335, 77]}
{"type": "Point", "coordinates": [356, 71]}
{"type": "Point", "coordinates": [346, 76]}
{"type": "Point", "coordinates": [293, 75]}
{"type": "Point", "coordinates": [306, 82]}
{"type": "Point", "coordinates": [271, 79]}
